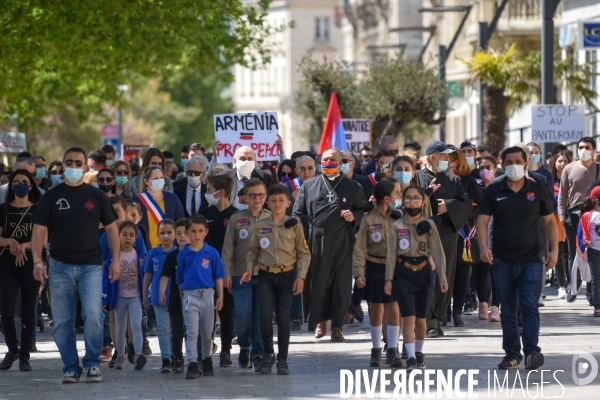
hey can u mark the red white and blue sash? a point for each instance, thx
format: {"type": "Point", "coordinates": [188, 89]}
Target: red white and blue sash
{"type": "Point", "coordinates": [296, 184]}
{"type": "Point", "coordinates": [372, 178]}
{"type": "Point", "coordinates": [152, 206]}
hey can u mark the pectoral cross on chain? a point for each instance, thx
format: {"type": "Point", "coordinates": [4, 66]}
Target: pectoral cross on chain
{"type": "Point", "coordinates": [330, 197]}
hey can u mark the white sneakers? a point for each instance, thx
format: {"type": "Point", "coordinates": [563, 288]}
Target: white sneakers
{"type": "Point", "coordinates": [562, 293]}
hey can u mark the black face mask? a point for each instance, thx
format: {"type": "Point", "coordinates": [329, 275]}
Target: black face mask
{"type": "Point", "coordinates": [413, 212]}
{"type": "Point", "coordinates": [174, 176]}
{"type": "Point", "coordinates": [106, 188]}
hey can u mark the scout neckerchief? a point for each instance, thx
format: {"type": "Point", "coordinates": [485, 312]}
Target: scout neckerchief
{"type": "Point", "coordinates": [296, 184]}
{"type": "Point", "coordinates": [466, 256]}
{"type": "Point", "coordinates": [152, 206]}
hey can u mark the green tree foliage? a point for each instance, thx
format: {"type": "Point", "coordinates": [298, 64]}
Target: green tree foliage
{"type": "Point", "coordinates": [393, 93]}
{"type": "Point", "coordinates": [56, 53]}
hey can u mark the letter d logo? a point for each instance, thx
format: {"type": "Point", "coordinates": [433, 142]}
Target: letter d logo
{"type": "Point", "coordinates": [581, 367]}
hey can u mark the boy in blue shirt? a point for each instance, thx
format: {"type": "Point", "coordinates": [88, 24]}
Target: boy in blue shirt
{"type": "Point", "coordinates": [199, 273]}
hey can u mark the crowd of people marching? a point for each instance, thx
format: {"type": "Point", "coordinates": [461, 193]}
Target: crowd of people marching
{"type": "Point", "coordinates": [120, 251]}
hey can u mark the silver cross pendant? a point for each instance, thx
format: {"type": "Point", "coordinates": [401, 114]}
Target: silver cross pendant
{"type": "Point", "coordinates": [330, 197]}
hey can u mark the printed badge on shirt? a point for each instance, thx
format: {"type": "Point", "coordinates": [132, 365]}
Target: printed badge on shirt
{"type": "Point", "coordinates": [205, 263]}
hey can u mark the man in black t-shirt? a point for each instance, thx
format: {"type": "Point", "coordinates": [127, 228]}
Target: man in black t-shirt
{"type": "Point", "coordinates": [69, 216]}
{"type": "Point", "coordinates": [517, 204]}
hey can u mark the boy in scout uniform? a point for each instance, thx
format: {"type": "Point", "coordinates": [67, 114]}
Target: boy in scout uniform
{"type": "Point", "coordinates": [278, 242]}
{"type": "Point", "coordinates": [368, 268]}
{"type": "Point", "coordinates": [409, 275]}
{"type": "Point", "coordinates": [245, 296]}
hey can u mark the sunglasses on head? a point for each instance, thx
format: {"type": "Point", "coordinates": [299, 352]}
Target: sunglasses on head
{"type": "Point", "coordinates": [78, 163]}
{"type": "Point", "coordinates": [194, 173]}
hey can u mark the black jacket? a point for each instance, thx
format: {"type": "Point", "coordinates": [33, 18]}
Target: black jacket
{"type": "Point", "coordinates": [257, 173]}
{"type": "Point", "coordinates": [181, 191]}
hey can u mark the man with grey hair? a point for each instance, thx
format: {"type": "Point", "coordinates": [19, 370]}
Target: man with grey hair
{"type": "Point", "coordinates": [191, 194]}
{"type": "Point", "coordinates": [387, 142]}
{"type": "Point", "coordinates": [22, 163]}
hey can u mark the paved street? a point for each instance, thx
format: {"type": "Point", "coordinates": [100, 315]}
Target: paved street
{"type": "Point", "coordinates": [315, 365]}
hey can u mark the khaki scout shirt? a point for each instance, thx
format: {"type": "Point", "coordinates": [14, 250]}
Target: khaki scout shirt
{"type": "Point", "coordinates": [371, 239]}
{"type": "Point", "coordinates": [274, 245]}
{"type": "Point", "coordinates": [237, 240]}
{"type": "Point", "coordinates": [403, 240]}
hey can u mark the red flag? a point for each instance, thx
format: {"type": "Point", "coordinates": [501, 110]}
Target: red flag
{"type": "Point", "coordinates": [333, 132]}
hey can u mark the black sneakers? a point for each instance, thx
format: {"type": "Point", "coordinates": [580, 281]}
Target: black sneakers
{"type": "Point", "coordinates": [9, 359]}
{"type": "Point", "coordinates": [70, 377]}
{"type": "Point", "coordinates": [207, 367]}
{"type": "Point", "coordinates": [420, 360]}
{"type": "Point", "coordinates": [267, 362]}
{"type": "Point", "coordinates": [244, 358]}
{"type": "Point", "coordinates": [130, 351]}
{"type": "Point", "coordinates": [24, 365]}
{"type": "Point", "coordinates": [225, 360]}
{"type": "Point", "coordinates": [375, 358]}
{"type": "Point", "coordinates": [166, 367]}
{"type": "Point", "coordinates": [393, 357]}
{"type": "Point", "coordinates": [534, 361]}
{"type": "Point", "coordinates": [192, 372]}
{"type": "Point", "coordinates": [511, 362]}
{"type": "Point", "coordinates": [411, 364]}
{"type": "Point", "coordinates": [178, 367]}
{"type": "Point", "coordinates": [146, 350]}
{"type": "Point", "coordinates": [139, 361]}
{"type": "Point", "coordinates": [93, 375]}
{"type": "Point", "coordinates": [282, 367]}
{"type": "Point", "coordinates": [256, 361]}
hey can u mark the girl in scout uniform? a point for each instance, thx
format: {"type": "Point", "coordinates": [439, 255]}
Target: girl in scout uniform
{"type": "Point", "coordinates": [409, 274]}
{"type": "Point", "coordinates": [368, 267]}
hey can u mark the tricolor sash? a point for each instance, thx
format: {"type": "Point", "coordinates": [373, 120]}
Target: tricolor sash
{"type": "Point", "coordinates": [152, 206]}
{"type": "Point", "coordinates": [372, 178]}
{"type": "Point", "coordinates": [296, 184]}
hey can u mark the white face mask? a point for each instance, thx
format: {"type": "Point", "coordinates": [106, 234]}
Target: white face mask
{"type": "Point", "coordinates": [157, 184]}
{"type": "Point", "coordinates": [193, 181]}
{"type": "Point", "coordinates": [515, 172]}
{"type": "Point", "coordinates": [584, 154]}
{"type": "Point", "coordinates": [245, 167]}
{"type": "Point", "coordinates": [211, 199]}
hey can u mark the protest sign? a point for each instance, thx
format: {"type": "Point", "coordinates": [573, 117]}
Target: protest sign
{"type": "Point", "coordinates": [557, 123]}
{"type": "Point", "coordinates": [358, 134]}
{"type": "Point", "coordinates": [132, 151]}
{"type": "Point", "coordinates": [256, 130]}
{"type": "Point", "coordinates": [12, 142]}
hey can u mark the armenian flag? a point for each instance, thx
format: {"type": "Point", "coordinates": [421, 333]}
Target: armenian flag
{"type": "Point", "coordinates": [333, 136]}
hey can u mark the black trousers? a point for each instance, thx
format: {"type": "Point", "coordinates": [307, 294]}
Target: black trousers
{"type": "Point", "coordinates": [571, 239]}
{"type": "Point", "coordinates": [11, 279]}
{"type": "Point", "coordinates": [227, 324]}
{"type": "Point", "coordinates": [562, 268]}
{"type": "Point", "coordinates": [275, 288]}
{"type": "Point", "coordinates": [462, 282]}
{"type": "Point", "coordinates": [178, 332]}
{"type": "Point", "coordinates": [357, 296]}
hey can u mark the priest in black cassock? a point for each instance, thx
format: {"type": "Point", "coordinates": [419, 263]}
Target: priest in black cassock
{"type": "Point", "coordinates": [335, 204]}
{"type": "Point", "coordinates": [454, 207]}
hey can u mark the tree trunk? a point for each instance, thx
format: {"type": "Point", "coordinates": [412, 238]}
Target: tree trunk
{"type": "Point", "coordinates": [496, 118]}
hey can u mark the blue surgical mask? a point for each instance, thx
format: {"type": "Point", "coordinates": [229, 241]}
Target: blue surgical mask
{"type": "Point", "coordinates": [40, 173]}
{"type": "Point", "coordinates": [184, 162]}
{"type": "Point", "coordinates": [56, 180]}
{"type": "Point", "coordinates": [404, 177]}
{"type": "Point", "coordinates": [443, 165]}
{"type": "Point", "coordinates": [21, 191]}
{"type": "Point", "coordinates": [109, 163]}
{"type": "Point", "coordinates": [345, 168]}
{"type": "Point", "coordinates": [535, 158]}
{"type": "Point", "coordinates": [73, 175]}
{"type": "Point", "coordinates": [396, 205]}
{"type": "Point", "coordinates": [243, 207]}
{"type": "Point", "coordinates": [365, 163]}
{"type": "Point", "coordinates": [470, 160]}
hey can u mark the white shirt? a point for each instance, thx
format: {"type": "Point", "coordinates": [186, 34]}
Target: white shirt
{"type": "Point", "coordinates": [595, 230]}
{"type": "Point", "coordinates": [188, 198]}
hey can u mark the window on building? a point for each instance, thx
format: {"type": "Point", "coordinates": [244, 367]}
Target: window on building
{"type": "Point", "coordinates": [322, 28]}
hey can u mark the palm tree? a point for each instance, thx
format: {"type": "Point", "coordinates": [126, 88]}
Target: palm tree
{"type": "Point", "coordinates": [513, 79]}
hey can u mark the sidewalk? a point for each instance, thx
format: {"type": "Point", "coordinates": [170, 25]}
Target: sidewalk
{"type": "Point", "coordinates": [315, 364]}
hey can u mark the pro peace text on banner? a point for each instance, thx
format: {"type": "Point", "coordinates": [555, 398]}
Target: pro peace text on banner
{"type": "Point", "coordinates": [256, 130]}
{"type": "Point", "coordinates": [557, 123]}
{"type": "Point", "coordinates": [358, 134]}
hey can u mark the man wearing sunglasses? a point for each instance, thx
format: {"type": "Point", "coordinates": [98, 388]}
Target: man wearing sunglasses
{"type": "Point", "coordinates": [192, 193]}
{"type": "Point", "coordinates": [68, 217]}
{"type": "Point", "coordinates": [22, 163]}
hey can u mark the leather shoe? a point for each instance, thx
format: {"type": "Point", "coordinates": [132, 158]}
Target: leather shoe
{"type": "Point", "coordinates": [336, 335]}
{"type": "Point", "coordinates": [321, 329]}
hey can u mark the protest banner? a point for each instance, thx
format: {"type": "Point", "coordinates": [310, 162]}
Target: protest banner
{"type": "Point", "coordinates": [132, 151]}
{"type": "Point", "coordinates": [12, 142]}
{"type": "Point", "coordinates": [557, 123]}
{"type": "Point", "coordinates": [358, 134]}
{"type": "Point", "coordinates": [256, 130]}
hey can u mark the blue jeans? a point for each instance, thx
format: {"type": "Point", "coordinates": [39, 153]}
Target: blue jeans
{"type": "Point", "coordinates": [67, 282]}
{"type": "Point", "coordinates": [247, 315]}
{"type": "Point", "coordinates": [519, 285]}
{"type": "Point", "coordinates": [164, 330]}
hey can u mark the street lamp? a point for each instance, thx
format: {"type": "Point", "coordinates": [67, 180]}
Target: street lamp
{"type": "Point", "coordinates": [431, 29]}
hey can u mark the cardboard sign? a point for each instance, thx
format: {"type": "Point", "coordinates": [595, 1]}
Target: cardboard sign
{"type": "Point", "coordinates": [255, 130]}
{"type": "Point", "coordinates": [358, 134]}
{"type": "Point", "coordinates": [132, 152]}
{"type": "Point", "coordinates": [557, 123]}
{"type": "Point", "coordinates": [12, 142]}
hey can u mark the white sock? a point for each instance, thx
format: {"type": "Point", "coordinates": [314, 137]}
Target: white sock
{"type": "Point", "coordinates": [376, 336]}
{"type": "Point", "coordinates": [410, 349]}
{"type": "Point", "coordinates": [419, 345]}
{"type": "Point", "coordinates": [392, 336]}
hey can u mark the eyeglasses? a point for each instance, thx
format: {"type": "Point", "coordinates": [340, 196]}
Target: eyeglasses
{"type": "Point", "coordinates": [194, 173]}
{"type": "Point", "coordinates": [55, 172]}
{"type": "Point", "coordinates": [409, 200]}
{"type": "Point", "coordinates": [346, 160]}
{"type": "Point", "coordinates": [78, 163]}
{"type": "Point", "coordinates": [156, 164]}
{"type": "Point", "coordinates": [108, 179]}
{"type": "Point", "coordinates": [304, 169]}
{"type": "Point", "coordinates": [121, 172]}
{"type": "Point", "coordinates": [367, 156]}
{"type": "Point", "coordinates": [486, 167]}
{"type": "Point", "coordinates": [17, 183]}
{"type": "Point", "coordinates": [584, 147]}
{"type": "Point", "coordinates": [255, 196]}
